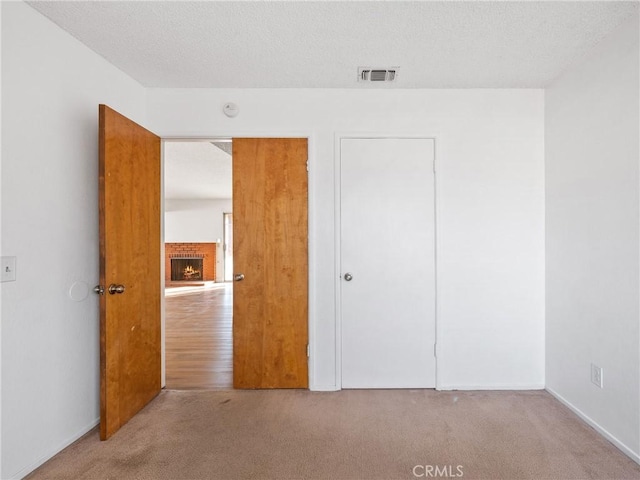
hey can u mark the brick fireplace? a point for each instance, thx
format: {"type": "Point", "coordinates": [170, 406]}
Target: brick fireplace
{"type": "Point", "coordinates": [191, 262]}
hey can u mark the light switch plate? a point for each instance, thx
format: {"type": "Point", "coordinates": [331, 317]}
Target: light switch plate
{"type": "Point", "coordinates": [8, 269]}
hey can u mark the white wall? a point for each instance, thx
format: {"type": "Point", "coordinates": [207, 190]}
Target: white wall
{"type": "Point", "coordinates": [490, 183]}
{"type": "Point", "coordinates": [593, 237]}
{"type": "Point", "coordinates": [51, 88]}
{"type": "Point", "coordinates": [194, 220]}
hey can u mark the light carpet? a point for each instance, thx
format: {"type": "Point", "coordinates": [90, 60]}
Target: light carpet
{"type": "Point", "coordinates": [351, 435]}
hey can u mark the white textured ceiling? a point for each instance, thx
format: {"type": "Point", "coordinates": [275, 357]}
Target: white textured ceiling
{"type": "Point", "coordinates": [196, 170]}
{"type": "Point", "coordinates": [304, 44]}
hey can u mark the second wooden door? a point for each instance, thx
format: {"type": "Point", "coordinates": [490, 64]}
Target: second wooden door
{"type": "Point", "coordinates": [270, 304]}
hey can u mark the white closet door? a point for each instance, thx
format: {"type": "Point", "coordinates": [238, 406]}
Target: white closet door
{"type": "Point", "coordinates": [387, 245]}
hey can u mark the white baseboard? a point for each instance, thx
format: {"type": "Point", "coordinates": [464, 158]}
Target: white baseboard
{"type": "Point", "coordinates": [323, 388]}
{"type": "Point", "coordinates": [499, 387]}
{"type": "Point", "coordinates": [54, 451]}
{"type": "Point", "coordinates": [598, 428]}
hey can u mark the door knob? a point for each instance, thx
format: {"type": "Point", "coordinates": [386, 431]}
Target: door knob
{"type": "Point", "coordinates": [238, 277]}
{"type": "Point", "coordinates": [99, 289]}
{"type": "Point", "coordinates": [113, 289]}
{"type": "Point", "coordinates": [348, 277]}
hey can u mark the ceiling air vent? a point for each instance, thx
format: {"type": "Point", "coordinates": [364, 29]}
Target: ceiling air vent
{"type": "Point", "coordinates": [366, 74]}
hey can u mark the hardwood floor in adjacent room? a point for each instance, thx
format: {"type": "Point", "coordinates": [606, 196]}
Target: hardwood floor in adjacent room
{"type": "Point", "coordinates": [199, 342]}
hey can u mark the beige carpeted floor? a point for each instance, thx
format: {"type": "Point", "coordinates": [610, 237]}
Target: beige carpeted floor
{"type": "Point", "coordinates": [381, 434]}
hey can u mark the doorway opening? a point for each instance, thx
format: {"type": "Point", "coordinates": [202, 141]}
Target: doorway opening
{"type": "Point", "coordinates": [198, 302]}
{"type": "Point", "coordinates": [268, 266]}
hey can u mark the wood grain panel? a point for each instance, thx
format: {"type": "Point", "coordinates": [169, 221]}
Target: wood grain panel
{"type": "Point", "coordinates": [270, 307]}
{"type": "Point", "coordinates": [129, 203]}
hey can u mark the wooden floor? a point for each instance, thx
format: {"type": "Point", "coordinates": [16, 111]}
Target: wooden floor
{"type": "Point", "coordinates": [199, 344]}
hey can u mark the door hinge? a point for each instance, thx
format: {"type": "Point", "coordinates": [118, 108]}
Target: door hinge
{"type": "Point", "coordinates": [308, 351]}
{"type": "Point", "coordinates": [434, 165]}
{"type": "Point", "coordinates": [435, 349]}
{"type": "Point", "coordinates": [307, 165]}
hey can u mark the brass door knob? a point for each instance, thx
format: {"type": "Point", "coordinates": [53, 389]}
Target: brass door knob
{"type": "Point", "coordinates": [113, 289]}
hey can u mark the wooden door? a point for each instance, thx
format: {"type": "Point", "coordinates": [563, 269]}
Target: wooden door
{"type": "Point", "coordinates": [129, 258]}
{"type": "Point", "coordinates": [270, 302]}
{"type": "Point", "coordinates": [387, 249]}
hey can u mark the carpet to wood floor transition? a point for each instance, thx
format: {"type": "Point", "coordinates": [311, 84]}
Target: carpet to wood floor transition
{"type": "Point", "coordinates": [351, 435]}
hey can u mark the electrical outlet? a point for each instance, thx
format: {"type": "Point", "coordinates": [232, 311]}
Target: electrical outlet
{"type": "Point", "coordinates": [596, 375]}
{"type": "Point", "coordinates": [8, 269]}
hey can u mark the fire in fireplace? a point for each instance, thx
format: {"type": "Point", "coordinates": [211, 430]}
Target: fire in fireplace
{"type": "Point", "coordinates": [186, 269]}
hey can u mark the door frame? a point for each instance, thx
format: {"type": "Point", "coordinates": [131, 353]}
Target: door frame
{"type": "Point", "coordinates": [436, 137]}
{"type": "Point", "coordinates": [311, 230]}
